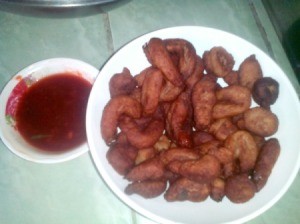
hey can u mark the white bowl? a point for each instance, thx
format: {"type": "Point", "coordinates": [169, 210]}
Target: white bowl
{"type": "Point", "coordinates": [10, 136]}
{"type": "Point", "coordinates": [287, 109]}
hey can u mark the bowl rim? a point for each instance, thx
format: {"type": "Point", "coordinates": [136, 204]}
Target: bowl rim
{"type": "Point", "coordinates": [87, 72]}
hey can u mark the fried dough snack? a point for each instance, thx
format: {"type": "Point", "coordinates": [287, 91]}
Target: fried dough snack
{"type": "Point", "coordinates": [174, 130]}
{"type": "Point", "coordinates": [159, 57]}
{"type": "Point", "coordinates": [249, 72]}
{"type": "Point", "coordinates": [218, 61]}
{"type": "Point", "coordinates": [265, 162]}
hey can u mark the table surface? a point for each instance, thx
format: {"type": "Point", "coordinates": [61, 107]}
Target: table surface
{"type": "Point", "coordinates": [73, 192]}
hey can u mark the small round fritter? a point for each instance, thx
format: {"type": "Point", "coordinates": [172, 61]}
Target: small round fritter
{"type": "Point", "coordinates": [265, 91]}
{"type": "Point", "coordinates": [239, 188]}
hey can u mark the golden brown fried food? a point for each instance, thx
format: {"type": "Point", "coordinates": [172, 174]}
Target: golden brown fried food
{"type": "Point", "coordinates": [144, 154]}
{"type": "Point", "coordinates": [116, 107]}
{"type": "Point", "coordinates": [169, 92]}
{"type": "Point", "coordinates": [244, 148]}
{"type": "Point", "coordinates": [147, 189]}
{"type": "Point", "coordinates": [203, 100]}
{"type": "Point", "coordinates": [121, 156]}
{"type": "Point", "coordinates": [151, 169]}
{"type": "Point", "coordinates": [222, 128]}
{"type": "Point", "coordinates": [202, 170]}
{"type": "Point", "coordinates": [159, 57]}
{"type": "Point", "coordinates": [179, 154]}
{"type": "Point", "coordinates": [261, 121]}
{"type": "Point", "coordinates": [139, 136]}
{"type": "Point", "coordinates": [122, 83]}
{"type": "Point", "coordinates": [179, 121]}
{"type": "Point", "coordinates": [218, 61]}
{"type": "Point", "coordinates": [249, 72]}
{"type": "Point", "coordinates": [231, 101]}
{"type": "Point", "coordinates": [265, 91]}
{"type": "Point", "coordinates": [265, 162]}
{"type": "Point", "coordinates": [239, 188]}
{"type": "Point", "coordinates": [151, 91]}
{"type": "Point", "coordinates": [186, 52]}
{"type": "Point", "coordinates": [185, 189]}
{"type": "Point", "coordinates": [196, 75]}
{"type": "Point", "coordinates": [232, 78]}
{"type": "Point", "coordinates": [217, 191]}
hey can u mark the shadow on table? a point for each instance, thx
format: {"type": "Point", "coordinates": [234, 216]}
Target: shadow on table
{"type": "Point", "coordinates": [60, 12]}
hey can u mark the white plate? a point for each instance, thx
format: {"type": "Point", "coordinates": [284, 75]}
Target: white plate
{"type": "Point", "coordinates": [287, 109]}
{"type": "Point", "coordinates": [10, 136]}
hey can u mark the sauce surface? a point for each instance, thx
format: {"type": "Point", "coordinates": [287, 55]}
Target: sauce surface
{"type": "Point", "coordinates": [51, 113]}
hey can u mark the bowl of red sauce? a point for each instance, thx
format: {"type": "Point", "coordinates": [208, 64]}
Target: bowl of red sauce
{"type": "Point", "coordinates": [43, 109]}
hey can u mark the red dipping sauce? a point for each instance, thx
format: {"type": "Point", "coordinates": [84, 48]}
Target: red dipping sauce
{"type": "Point", "coordinates": [51, 113]}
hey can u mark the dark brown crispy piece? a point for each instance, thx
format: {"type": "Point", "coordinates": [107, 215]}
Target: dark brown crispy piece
{"type": "Point", "coordinates": [147, 189]}
{"type": "Point", "coordinates": [239, 188]}
{"type": "Point", "coordinates": [185, 189]}
{"type": "Point", "coordinates": [265, 162]}
{"type": "Point", "coordinates": [265, 91]}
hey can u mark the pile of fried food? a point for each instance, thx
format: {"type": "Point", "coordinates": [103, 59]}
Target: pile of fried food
{"type": "Point", "coordinates": [174, 130]}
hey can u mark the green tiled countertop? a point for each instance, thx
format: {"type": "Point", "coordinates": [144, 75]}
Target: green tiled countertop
{"type": "Point", "coordinates": [73, 192]}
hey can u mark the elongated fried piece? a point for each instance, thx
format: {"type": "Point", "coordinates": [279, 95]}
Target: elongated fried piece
{"type": "Point", "coordinates": [159, 57]}
{"type": "Point", "coordinates": [249, 71]}
{"type": "Point", "coordinates": [151, 91]}
{"type": "Point", "coordinates": [261, 121]}
{"type": "Point", "coordinates": [179, 154]}
{"type": "Point", "coordinates": [231, 101]}
{"type": "Point", "coordinates": [185, 189]}
{"type": "Point", "coordinates": [239, 188]}
{"type": "Point", "coordinates": [244, 148]}
{"type": "Point", "coordinates": [147, 189]}
{"type": "Point", "coordinates": [152, 169]}
{"type": "Point", "coordinates": [202, 170]}
{"type": "Point", "coordinates": [179, 121]}
{"type": "Point", "coordinates": [265, 162]}
{"type": "Point", "coordinates": [122, 83]}
{"type": "Point", "coordinates": [116, 107]}
{"type": "Point", "coordinates": [203, 100]}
